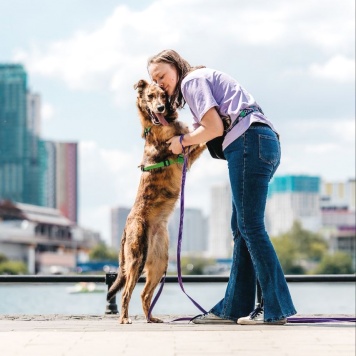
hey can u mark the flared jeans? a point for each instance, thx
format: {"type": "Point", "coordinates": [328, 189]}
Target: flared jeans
{"type": "Point", "coordinates": [252, 160]}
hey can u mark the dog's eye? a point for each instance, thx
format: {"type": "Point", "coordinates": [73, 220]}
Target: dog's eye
{"type": "Point", "coordinates": [150, 96]}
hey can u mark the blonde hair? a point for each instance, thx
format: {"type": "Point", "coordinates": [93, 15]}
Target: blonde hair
{"type": "Point", "coordinates": [183, 68]}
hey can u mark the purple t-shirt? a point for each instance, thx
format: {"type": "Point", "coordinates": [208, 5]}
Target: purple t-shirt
{"type": "Point", "coordinates": [205, 88]}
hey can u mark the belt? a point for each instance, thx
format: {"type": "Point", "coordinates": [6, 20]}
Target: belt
{"type": "Point", "coordinates": [244, 113]}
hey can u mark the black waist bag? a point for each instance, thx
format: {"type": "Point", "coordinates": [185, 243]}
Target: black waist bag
{"type": "Point", "coordinates": [215, 145]}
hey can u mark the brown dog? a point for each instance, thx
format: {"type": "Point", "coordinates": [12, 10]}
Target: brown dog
{"type": "Point", "coordinates": [144, 243]}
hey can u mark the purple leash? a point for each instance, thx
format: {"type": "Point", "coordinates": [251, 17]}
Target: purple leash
{"type": "Point", "coordinates": [305, 320]}
{"type": "Point", "coordinates": [156, 297]}
{"type": "Point", "coordinates": [180, 237]}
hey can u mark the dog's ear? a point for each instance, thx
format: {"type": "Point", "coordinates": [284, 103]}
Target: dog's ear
{"type": "Point", "coordinates": [140, 85]}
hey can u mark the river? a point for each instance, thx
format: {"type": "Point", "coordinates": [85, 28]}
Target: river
{"type": "Point", "coordinates": [309, 298]}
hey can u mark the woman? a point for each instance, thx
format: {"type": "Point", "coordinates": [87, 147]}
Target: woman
{"type": "Point", "coordinates": [251, 148]}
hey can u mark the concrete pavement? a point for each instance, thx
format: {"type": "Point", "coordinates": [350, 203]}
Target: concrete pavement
{"type": "Point", "coordinates": [52, 335]}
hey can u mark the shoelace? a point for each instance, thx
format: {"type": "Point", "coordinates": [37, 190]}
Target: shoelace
{"type": "Point", "coordinates": [256, 312]}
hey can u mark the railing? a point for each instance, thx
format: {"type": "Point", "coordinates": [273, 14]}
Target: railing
{"type": "Point", "coordinates": [109, 279]}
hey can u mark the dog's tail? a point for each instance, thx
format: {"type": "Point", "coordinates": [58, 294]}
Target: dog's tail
{"type": "Point", "coordinates": [117, 285]}
{"type": "Point", "coordinates": [121, 277]}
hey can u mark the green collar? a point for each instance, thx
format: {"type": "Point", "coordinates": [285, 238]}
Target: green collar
{"type": "Point", "coordinates": [165, 163]}
{"type": "Point", "coordinates": [146, 131]}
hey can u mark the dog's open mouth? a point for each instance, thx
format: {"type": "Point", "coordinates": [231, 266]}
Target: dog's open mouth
{"type": "Point", "coordinates": [158, 119]}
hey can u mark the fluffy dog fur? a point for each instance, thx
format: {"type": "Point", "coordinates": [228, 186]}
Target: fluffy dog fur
{"type": "Point", "coordinates": [144, 243]}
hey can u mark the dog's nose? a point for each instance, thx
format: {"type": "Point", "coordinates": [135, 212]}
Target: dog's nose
{"type": "Point", "coordinates": [160, 108]}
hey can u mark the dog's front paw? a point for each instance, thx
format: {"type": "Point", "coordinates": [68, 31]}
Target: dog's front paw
{"type": "Point", "coordinates": [155, 320]}
{"type": "Point", "coordinates": [125, 321]}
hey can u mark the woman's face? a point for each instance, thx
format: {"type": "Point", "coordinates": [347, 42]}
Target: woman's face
{"type": "Point", "coordinates": [165, 75]}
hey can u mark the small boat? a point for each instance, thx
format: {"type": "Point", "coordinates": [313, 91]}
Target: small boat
{"type": "Point", "coordinates": [85, 287]}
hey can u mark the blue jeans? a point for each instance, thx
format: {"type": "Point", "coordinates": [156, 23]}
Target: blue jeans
{"type": "Point", "coordinates": [252, 160]}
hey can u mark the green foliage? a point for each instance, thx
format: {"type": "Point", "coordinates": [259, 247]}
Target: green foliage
{"type": "Point", "coordinates": [297, 247]}
{"type": "Point", "coordinates": [12, 267]}
{"type": "Point", "coordinates": [3, 258]}
{"type": "Point", "coordinates": [101, 252]}
{"type": "Point", "coordinates": [195, 265]}
{"type": "Point", "coordinates": [338, 263]}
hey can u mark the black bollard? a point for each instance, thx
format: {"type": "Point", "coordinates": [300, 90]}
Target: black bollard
{"type": "Point", "coordinates": [111, 306]}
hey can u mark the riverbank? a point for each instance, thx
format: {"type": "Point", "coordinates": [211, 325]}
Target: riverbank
{"type": "Point", "coordinates": [101, 334]}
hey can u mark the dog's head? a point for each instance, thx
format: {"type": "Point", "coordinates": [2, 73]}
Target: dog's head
{"type": "Point", "coordinates": [153, 102]}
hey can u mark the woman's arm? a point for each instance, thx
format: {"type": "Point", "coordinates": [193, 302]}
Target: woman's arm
{"type": "Point", "coordinates": [211, 127]}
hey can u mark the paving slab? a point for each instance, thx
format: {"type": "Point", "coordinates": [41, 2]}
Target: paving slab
{"type": "Point", "coordinates": [76, 335]}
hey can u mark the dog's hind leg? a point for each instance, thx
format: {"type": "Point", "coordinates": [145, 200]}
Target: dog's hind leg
{"type": "Point", "coordinates": [133, 275]}
{"type": "Point", "coordinates": [154, 274]}
{"type": "Point", "coordinates": [136, 254]}
{"type": "Point", "coordinates": [156, 266]}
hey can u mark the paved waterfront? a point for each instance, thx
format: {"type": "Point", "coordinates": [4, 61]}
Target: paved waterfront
{"type": "Point", "coordinates": [27, 335]}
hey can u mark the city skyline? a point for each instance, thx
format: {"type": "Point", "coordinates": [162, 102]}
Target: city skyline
{"type": "Point", "coordinates": [297, 60]}
{"type": "Point", "coordinates": [33, 171]}
{"type": "Point", "coordinates": [324, 208]}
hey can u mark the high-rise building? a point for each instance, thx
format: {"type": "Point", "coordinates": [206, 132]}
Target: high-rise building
{"type": "Point", "coordinates": [67, 179]}
{"type": "Point", "coordinates": [118, 221]}
{"type": "Point", "coordinates": [19, 128]}
{"type": "Point", "coordinates": [58, 182]}
{"type": "Point", "coordinates": [293, 198]}
{"type": "Point", "coordinates": [338, 216]}
{"type": "Point", "coordinates": [195, 232]}
{"type": "Point", "coordinates": [48, 183]}
{"type": "Point", "coordinates": [338, 194]}
{"type": "Point", "coordinates": [33, 171]}
{"type": "Point", "coordinates": [13, 131]}
{"type": "Point", "coordinates": [220, 236]}
{"type": "Point", "coordinates": [33, 119]}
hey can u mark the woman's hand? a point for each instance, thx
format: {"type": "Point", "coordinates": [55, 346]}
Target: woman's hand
{"type": "Point", "coordinates": [174, 145]}
{"type": "Point", "coordinates": [211, 126]}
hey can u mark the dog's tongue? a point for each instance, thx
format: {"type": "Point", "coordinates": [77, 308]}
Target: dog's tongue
{"type": "Point", "coordinates": [161, 119]}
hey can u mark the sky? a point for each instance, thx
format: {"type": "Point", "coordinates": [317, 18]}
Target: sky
{"type": "Point", "coordinates": [297, 58]}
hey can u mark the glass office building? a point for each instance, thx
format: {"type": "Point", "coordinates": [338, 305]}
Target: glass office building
{"type": "Point", "coordinates": [293, 198]}
{"type": "Point", "coordinates": [19, 169]}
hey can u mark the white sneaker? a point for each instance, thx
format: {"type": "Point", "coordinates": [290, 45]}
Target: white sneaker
{"type": "Point", "coordinates": [210, 318]}
{"type": "Point", "coordinates": [257, 318]}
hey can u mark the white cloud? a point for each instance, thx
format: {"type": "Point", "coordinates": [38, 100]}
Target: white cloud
{"type": "Point", "coordinates": [97, 218]}
{"type": "Point", "coordinates": [321, 148]}
{"type": "Point", "coordinates": [343, 130]}
{"type": "Point", "coordinates": [312, 147]}
{"type": "Point", "coordinates": [114, 55]}
{"type": "Point", "coordinates": [337, 68]}
{"type": "Point", "coordinates": [47, 111]}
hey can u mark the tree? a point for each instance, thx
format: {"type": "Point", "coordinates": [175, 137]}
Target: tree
{"type": "Point", "coordinates": [3, 258]}
{"type": "Point", "coordinates": [101, 252]}
{"type": "Point", "coordinates": [298, 247]}
{"type": "Point", "coordinates": [338, 263]}
{"type": "Point", "coordinates": [13, 267]}
{"type": "Point", "coordinates": [194, 265]}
